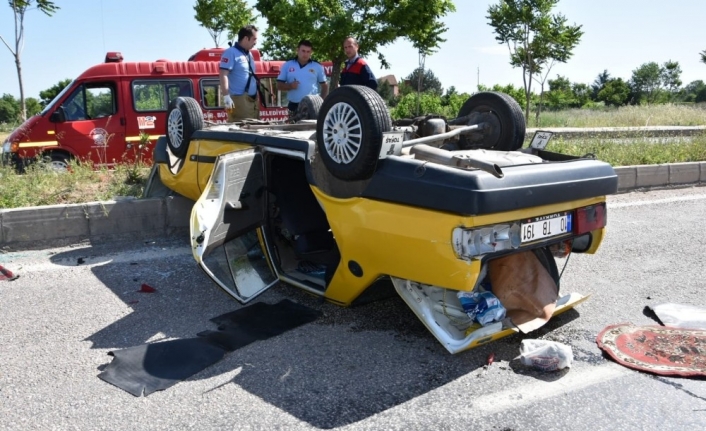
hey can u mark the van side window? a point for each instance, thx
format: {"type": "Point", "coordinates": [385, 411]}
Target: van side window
{"type": "Point", "coordinates": [179, 89]}
{"type": "Point", "coordinates": [90, 101]}
{"type": "Point", "coordinates": [100, 101]}
{"type": "Point", "coordinates": [156, 95]}
{"type": "Point", "coordinates": [209, 93]}
{"type": "Point", "coordinates": [268, 88]}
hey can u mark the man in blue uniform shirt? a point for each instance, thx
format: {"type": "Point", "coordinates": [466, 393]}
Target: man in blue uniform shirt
{"type": "Point", "coordinates": [302, 76]}
{"type": "Point", "coordinates": [237, 77]}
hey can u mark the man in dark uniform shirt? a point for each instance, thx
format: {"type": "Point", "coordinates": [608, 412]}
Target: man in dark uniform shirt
{"type": "Point", "coordinates": [356, 70]}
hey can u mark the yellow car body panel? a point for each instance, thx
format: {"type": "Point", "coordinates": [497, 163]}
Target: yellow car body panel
{"type": "Point", "coordinates": [370, 232]}
{"type": "Point", "coordinates": [192, 177]}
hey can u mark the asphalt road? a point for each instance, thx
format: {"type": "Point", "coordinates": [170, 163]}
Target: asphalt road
{"type": "Point", "coordinates": [369, 367]}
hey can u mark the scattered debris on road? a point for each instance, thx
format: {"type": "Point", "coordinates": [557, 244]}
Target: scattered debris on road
{"type": "Point", "coordinates": [146, 288]}
{"type": "Point", "coordinates": [7, 275]}
{"type": "Point", "coordinates": [680, 316]}
{"type": "Point", "coordinates": [663, 350]}
{"type": "Point", "coordinates": [546, 355]}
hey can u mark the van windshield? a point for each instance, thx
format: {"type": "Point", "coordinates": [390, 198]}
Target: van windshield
{"type": "Point", "coordinates": [51, 104]}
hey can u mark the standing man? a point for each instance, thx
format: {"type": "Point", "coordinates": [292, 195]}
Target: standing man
{"type": "Point", "coordinates": [302, 76]}
{"type": "Point", "coordinates": [237, 77]}
{"type": "Point", "coordinates": [356, 71]}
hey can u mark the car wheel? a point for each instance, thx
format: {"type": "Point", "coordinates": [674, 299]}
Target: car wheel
{"type": "Point", "coordinates": [546, 258]}
{"type": "Point", "coordinates": [504, 120]}
{"type": "Point", "coordinates": [349, 131]}
{"type": "Point", "coordinates": [184, 118]}
{"type": "Point", "coordinates": [309, 107]}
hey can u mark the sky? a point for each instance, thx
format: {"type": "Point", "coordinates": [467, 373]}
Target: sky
{"type": "Point", "coordinates": [619, 36]}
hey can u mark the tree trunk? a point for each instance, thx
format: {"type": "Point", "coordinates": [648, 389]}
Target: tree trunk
{"type": "Point", "coordinates": [539, 107]}
{"type": "Point", "coordinates": [528, 93]}
{"type": "Point", "coordinates": [23, 104]}
{"type": "Point", "coordinates": [335, 74]}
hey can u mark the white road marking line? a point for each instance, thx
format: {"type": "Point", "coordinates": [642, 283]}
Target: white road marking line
{"type": "Point", "coordinates": [656, 201]}
{"type": "Point", "coordinates": [511, 399]}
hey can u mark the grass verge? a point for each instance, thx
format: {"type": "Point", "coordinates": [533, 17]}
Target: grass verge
{"type": "Point", "coordinates": [628, 152]}
{"type": "Point", "coordinates": [624, 116]}
{"type": "Point", "coordinates": [42, 186]}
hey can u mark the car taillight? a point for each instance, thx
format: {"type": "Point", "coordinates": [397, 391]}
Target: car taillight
{"type": "Point", "coordinates": [590, 218]}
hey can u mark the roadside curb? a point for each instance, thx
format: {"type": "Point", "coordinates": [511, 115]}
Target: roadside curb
{"type": "Point", "coordinates": [152, 218]}
{"type": "Point", "coordinates": [35, 228]}
{"type": "Point", "coordinates": [619, 132]}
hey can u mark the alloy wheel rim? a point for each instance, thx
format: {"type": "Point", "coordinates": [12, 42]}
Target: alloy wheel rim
{"type": "Point", "coordinates": [342, 133]}
{"type": "Point", "coordinates": [175, 125]}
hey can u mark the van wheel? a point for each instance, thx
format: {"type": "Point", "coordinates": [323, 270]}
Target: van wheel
{"type": "Point", "coordinates": [57, 162]}
{"type": "Point", "coordinates": [309, 107]}
{"type": "Point", "coordinates": [349, 131]}
{"type": "Point", "coordinates": [504, 120]}
{"type": "Point", "coordinates": [184, 118]}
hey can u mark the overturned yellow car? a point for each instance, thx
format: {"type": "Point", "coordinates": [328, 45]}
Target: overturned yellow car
{"type": "Point", "coordinates": [333, 203]}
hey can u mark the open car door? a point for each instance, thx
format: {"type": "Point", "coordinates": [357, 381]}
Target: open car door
{"type": "Point", "coordinates": [226, 238]}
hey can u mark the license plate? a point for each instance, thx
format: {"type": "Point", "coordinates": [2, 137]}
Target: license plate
{"type": "Point", "coordinates": [546, 227]}
{"type": "Point", "coordinates": [391, 144]}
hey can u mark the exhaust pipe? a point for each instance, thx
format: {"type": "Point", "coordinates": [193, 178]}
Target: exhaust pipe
{"type": "Point", "coordinates": [444, 157]}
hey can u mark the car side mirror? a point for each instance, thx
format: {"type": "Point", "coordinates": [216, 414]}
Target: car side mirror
{"type": "Point", "coordinates": [58, 116]}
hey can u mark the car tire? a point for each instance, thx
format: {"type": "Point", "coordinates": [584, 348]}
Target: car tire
{"type": "Point", "coordinates": [503, 116]}
{"type": "Point", "coordinates": [184, 117]}
{"type": "Point", "coordinates": [349, 131]}
{"type": "Point", "coordinates": [309, 107]}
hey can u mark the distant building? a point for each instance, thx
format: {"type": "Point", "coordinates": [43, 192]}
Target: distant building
{"type": "Point", "coordinates": [392, 82]}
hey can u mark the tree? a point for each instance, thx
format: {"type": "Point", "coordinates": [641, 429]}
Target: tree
{"type": "Point", "coordinates": [670, 74]}
{"type": "Point", "coordinates": [703, 56]}
{"type": "Point", "coordinates": [374, 23]}
{"type": "Point", "coordinates": [650, 81]}
{"type": "Point", "coordinates": [535, 38]}
{"type": "Point", "coordinates": [9, 109]}
{"type": "Point", "coordinates": [50, 93]}
{"type": "Point", "coordinates": [218, 16]}
{"type": "Point", "coordinates": [19, 9]}
{"type": "Point", "coordinates": [385, 91]}
{"type": "Point", "coordinates": [582, 94]}
{"type": "Point", "coordinates": [559, 95]}
{"type": "Point", "coordinates": [452, 101]}
{"type": "Point", "coordinates": [599, 83]}
{"type": "Point", "coordinates": [615, 92]}
{"type": "Point", "coordinates": [33, 106]}
{"type": "Point", "coordinates": [429, 103]}
{"type": "Point", "coordinates": [564, 94]}
{"type": "Point", "coordinates": [424, 80]}
{"type": "Point", "coordinates": [694, 91]}
{"type": "Point", "coordinates": [646, 81]}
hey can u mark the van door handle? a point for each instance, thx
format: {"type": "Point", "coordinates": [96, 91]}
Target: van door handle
{"type": "Point", "coordinates": [122, 121]}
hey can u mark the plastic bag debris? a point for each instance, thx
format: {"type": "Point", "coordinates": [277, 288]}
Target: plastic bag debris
{"type": "Point", "coordinates": [681, 316]}
{"type": "Point", "coordinates": [546, 355]}
{"type": "Point", "coordinates": [484, 307]}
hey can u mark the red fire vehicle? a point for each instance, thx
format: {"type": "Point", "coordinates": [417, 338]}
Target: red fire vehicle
{"type": "Point", "coordinates": [114, 111]}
